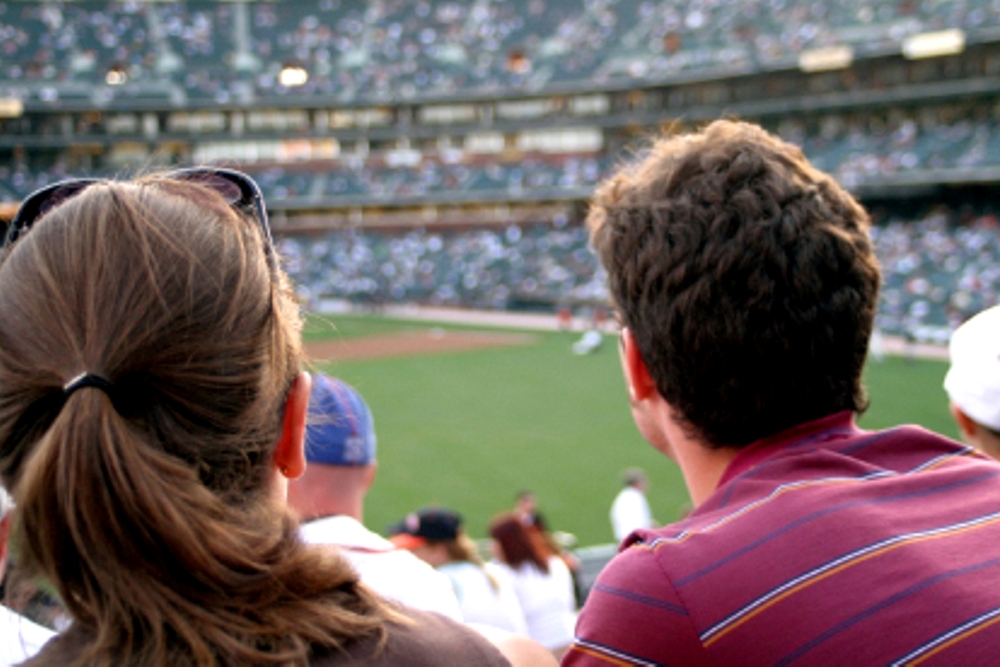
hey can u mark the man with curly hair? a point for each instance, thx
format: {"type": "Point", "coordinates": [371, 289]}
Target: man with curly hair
{"type": "Point", "coordinates": [746, 286]}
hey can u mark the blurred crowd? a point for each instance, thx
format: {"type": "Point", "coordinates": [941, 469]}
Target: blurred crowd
{"type": "Point", "coordinates": [864, 147]}
{"type": "Point", "coordinates": [483, 268]}
{"type": "Point", "coordinates": [937, 273]}
{"type": "Point", "coordinates": [861, 149]}
{"type": "Point", "coordinates": [220, 50]}
{"type": "Point", "coordinates": [348, 180]}
{"type": "Point", "coordinates": [353, 179]}
{"type": "Point", "coordinates": [939, 268]}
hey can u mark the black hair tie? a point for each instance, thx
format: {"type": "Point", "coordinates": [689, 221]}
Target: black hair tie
{"type": "Point", "coordinates": [88, 380]}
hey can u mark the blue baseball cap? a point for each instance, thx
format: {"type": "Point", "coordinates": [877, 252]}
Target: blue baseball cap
{"type": "Point", "coordinates": [339, 430]}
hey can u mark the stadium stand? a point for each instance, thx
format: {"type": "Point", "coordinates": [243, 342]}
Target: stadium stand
{"type": "Point", "coordinates": [434, 49]}
{"type": "Point", "coordinates": [863, 148]}
{"type": "Point", "coordinates": [937, 274]}
{"type": "Point", "coordinates": [485, 268]}
{"type": "Point", "coordinates": [938, 271]}
{"type": "Point", "coordinates": [442, 152]}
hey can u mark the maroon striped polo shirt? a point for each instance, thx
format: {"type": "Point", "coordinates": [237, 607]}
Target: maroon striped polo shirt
{"type": "Point", "coordinates": [822, 545]}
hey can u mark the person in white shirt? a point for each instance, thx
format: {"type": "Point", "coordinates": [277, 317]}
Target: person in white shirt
{"type": "Point", "coordinates": [973, 381]}
{"type": "Point", "coordinates": [630, 509]}
{"type": "Point", "coordinates": [329, 498]}
{"type": "Point", "coordinates": [485, 591]}
{"type": "Point", "coordinates": [542, 582]}
{"type": "Point", "coordinates": [20, 638]}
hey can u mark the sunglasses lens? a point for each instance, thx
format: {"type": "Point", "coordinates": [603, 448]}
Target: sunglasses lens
{"type": "Point", "coordinates": [59, 195]}
{"type": "Point", "coordinates": [235, 188]}
{"type": "Point", "coordinates": [226, 188]}
{"type": "Point", "coordinates": [238, 190]}
{"type": "Point", "coordinates": [38, 204]}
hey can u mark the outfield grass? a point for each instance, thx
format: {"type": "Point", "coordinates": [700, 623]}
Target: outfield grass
{"type": "Point", "coordinates": [470, 429]}
{"type": "Point", "coordinates": [907, 391]}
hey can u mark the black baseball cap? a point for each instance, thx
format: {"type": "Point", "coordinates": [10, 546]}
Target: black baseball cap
{"type": "Point", "coordinates": [431, 524]}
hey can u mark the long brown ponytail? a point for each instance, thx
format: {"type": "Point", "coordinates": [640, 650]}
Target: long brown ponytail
{"type": "Point", "coordinates": [148, 505]}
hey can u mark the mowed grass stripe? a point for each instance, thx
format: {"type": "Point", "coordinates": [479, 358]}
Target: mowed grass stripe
{"type": "Point", "coordinates": [471, 428]}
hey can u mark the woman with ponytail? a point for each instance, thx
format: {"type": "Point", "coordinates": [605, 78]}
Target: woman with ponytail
{"type": "Point", "coordinates": [152, 408]}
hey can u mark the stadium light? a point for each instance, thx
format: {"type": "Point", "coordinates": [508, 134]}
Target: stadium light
{"type": "Point", "coordinates": [292, 76]}
{"type": "Point", "coordinates": [826, 59]}
{"type": "Point", "coordinates": [934, 44]}
{"type": "Point", "coordinates": [11, 107]}
{"type": "Point", "coordinates": [116, 76]}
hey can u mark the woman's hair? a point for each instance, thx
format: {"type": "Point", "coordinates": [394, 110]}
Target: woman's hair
{"type": "Point", "coordinates": [516, 545]}
{"type": "Point", "coordinates": [462, 548]}
{"type": "Point", "coordinates": [149, 506]}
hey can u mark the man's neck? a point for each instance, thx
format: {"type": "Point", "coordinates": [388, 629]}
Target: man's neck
{"type": "Point", "coordinates": [702, 469]}
{"type": "Point", "coordinates": [701, 466]}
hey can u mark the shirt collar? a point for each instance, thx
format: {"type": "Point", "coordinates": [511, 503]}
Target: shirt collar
{"type": "Point", "coordinates": [345, 532]}
{"type": "Point", "coordinates": [816, 431]}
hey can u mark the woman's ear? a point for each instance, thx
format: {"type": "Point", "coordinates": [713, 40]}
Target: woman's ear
{"type": "Point", "coordinates": [290, 454]}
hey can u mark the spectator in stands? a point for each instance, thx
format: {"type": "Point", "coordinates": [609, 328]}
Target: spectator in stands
{"type": "Point", "coordinates": [746, 286]}
{"type": "Point", "coordinates": [526, 509]}
{"type": "Point", "coordinates": [564, 318]}
{"type": "Point", "coordinates": [630, 510]}
{"type": "Point", "coordinates": [484, 591]}
{"type": "Point", "coordinates": [152, 409]}
{"type": "Point", "coordinates": [20, 637]}
{"type": "Point", "coordinates": [330, 494]}
{"type": "Point", "coordinates": [973, 381]}
{"type": "Point", "coordinates": [542, 582]}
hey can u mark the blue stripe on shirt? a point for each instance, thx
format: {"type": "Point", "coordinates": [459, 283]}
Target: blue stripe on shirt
{"type": "Point", "coordinates": [641, 599]}
{"type": "Point", "coordinates": [923, 492]}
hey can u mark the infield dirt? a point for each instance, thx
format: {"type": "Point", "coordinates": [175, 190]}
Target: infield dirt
{"type": "Point", "coordinates": [409, 343]}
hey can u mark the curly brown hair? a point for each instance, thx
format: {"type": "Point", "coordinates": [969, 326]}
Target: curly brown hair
{"type": "Point", "coordinates": [747, 277]}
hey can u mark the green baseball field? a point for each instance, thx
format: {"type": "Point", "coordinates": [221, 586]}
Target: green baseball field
{"type": "Point", "coordinates": [469, 425]}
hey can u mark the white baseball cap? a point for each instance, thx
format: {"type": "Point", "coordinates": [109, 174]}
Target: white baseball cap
{"type": "Point", "coordinates": [973, 381]}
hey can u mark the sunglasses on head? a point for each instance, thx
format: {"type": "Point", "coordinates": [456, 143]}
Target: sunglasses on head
{"type": "Point", "coordinates": [236, 188]}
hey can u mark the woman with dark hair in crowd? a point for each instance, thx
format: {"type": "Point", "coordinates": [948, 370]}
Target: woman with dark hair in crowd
{"type": "Point", "coordinates": [542, 582]}
{"type": "Point", "coordinates": [152, 408]}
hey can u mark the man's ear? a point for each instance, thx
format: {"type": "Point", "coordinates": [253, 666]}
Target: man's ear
{"type": "Point", "coordinates": [640, 384]}
{"type": "Point", "coordinates": [369, 478]}
{"type": "Point", "coordinates": [966, 425]}
{"type": "Point", "coordinates": [290, 454]}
